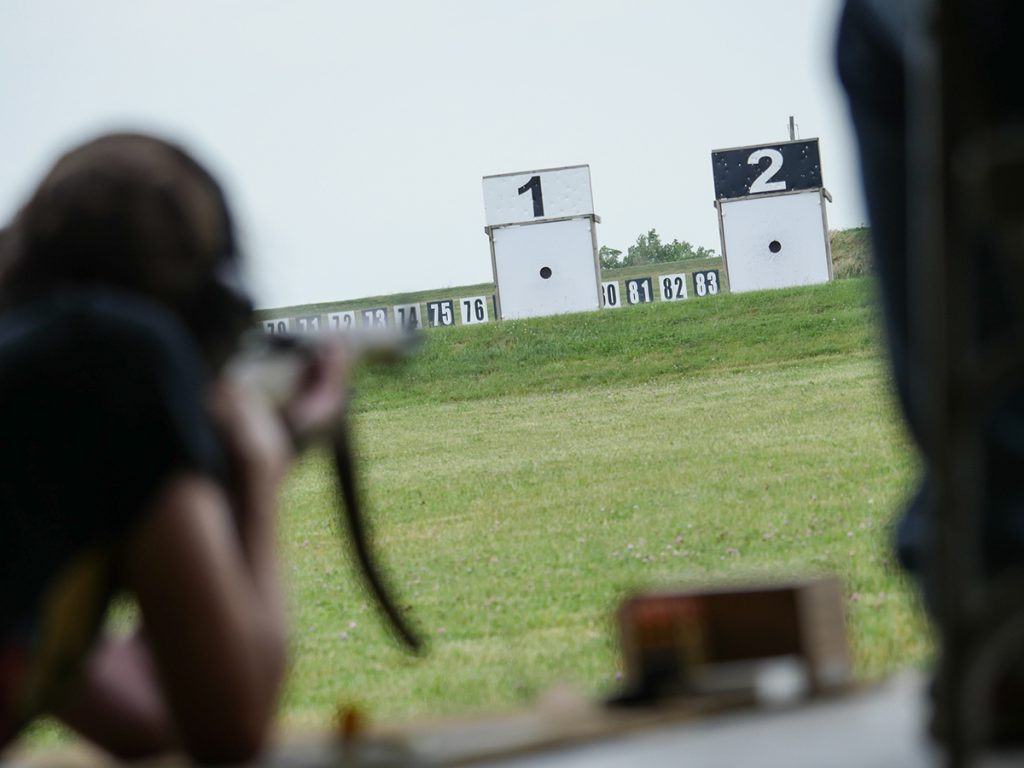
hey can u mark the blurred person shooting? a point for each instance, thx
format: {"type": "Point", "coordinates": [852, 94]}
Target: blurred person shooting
{"type": "Point", "coordinates": [132, 462]}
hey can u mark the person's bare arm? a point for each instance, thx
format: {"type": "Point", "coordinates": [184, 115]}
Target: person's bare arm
{"type": "Point", "coordinates": [116, 701]}
{"type": "Point", "coordinates": [206, 672]}
{"type": "Point", "coordinates": [211, 605]}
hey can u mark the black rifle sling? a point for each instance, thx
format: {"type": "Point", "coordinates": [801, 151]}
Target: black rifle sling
{"type": "Point", "coordinates": [345, 471]}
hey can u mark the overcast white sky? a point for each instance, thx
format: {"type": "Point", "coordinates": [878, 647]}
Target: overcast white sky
{"type": "Point", "coordinates": [352, 137]}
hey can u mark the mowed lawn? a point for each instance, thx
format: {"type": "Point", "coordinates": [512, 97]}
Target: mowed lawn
{"type": "Point", "coordinates": [523, 476]}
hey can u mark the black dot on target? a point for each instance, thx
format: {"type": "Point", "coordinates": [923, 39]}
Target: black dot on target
{"type": "Point", "coordinates": [774, 246]}
{"type": "Point", "coordinates": [545, 272]}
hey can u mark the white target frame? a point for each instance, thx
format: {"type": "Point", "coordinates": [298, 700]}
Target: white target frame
{"type": "Point", "coordinates": [772, 215]}
{"type": "Point", "coordinates": [542, 231]}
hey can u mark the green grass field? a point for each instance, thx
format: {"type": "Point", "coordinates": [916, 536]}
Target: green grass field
{"type": "Point", "coordinates": [524, 475]}
{"type": "Point", "coordinates": [851, 252]}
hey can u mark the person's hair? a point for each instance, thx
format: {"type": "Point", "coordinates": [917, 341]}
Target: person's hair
{"type": "Point", "coordinates": [138, 213]}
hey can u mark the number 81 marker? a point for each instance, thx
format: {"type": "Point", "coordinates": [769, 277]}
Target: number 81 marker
{"type": "Point", "coordinates": [638, 290]}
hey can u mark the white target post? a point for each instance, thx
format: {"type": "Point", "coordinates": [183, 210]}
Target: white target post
{"type": "Point", "coordinates": [771, 215]}
{"type": "Point", "coordinates": [543, 236]}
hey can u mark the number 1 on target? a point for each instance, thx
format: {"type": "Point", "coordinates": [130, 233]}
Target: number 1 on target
{"type": "Point", "coordinates": [538, 197]}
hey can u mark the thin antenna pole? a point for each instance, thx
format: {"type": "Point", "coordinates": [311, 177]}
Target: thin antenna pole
{"type": "Point", "coordinates": [792, 129]}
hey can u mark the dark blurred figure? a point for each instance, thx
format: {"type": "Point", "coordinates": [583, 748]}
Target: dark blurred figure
{"type": "Point", "coordinates": [973, 461]}
{"type": "Point", "coordinates": [6, 248]}
{"type": "Point", "coordinates": [872, 55]}
{"type": "Point", "coordinates": [130, 462]}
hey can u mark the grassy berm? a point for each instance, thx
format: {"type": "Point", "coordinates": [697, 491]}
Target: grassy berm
{"type": "Point", "coordinates": [523, 476]}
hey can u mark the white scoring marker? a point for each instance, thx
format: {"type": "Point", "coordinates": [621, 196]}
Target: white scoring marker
{"type": "Point", "coordinates": [673, 287]}
{"type": "Point", "coordinates": [474, 309]}
{"type": "Point", "coordinates": [610, 294]}
{"type": "Point", "coordinates": [441, 313]}
{"type": "Point", "coordinates": [376, 317]}
{"type": "Point", "coordinates": [639, 291]}
{"type": "Point", "coordinates": [341, 321]}
{"type": "Point", "coordinates": [705, 283]}
{"type": "Point", "coordinates": [307, 324]}
{"type": "Point", "coordinates": [276, 326]}
{"type": "Point", "coordinates": [407, 317]}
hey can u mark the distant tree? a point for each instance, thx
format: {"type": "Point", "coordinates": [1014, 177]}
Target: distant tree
{"type": "Point", "coordinates": [683, 251]}
{"type": "Point", "coordinates": [646, 250]}
{"type": "Point", "coordinates": [609, 257]}
{"type": "Point", "coordinates": [700, 252]}
{"type": "Point", "coordinates": [649, 249]}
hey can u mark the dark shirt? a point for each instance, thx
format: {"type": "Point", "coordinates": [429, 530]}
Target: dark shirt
{"type": "Point", "coordinates": [100, 404]}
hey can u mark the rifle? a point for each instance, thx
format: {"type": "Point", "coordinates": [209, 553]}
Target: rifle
{"type": "Point", "coordinates": [273, 365]}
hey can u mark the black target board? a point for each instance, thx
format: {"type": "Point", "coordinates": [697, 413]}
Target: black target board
{"type": "Point", "coordinates": [772, 168]}
{"type": "Point", "coordinates": [639, 290]}
{"type": "Point", "coordinates": [705, 283]}
{"type": "Point", "coordinates": [441, 313]}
